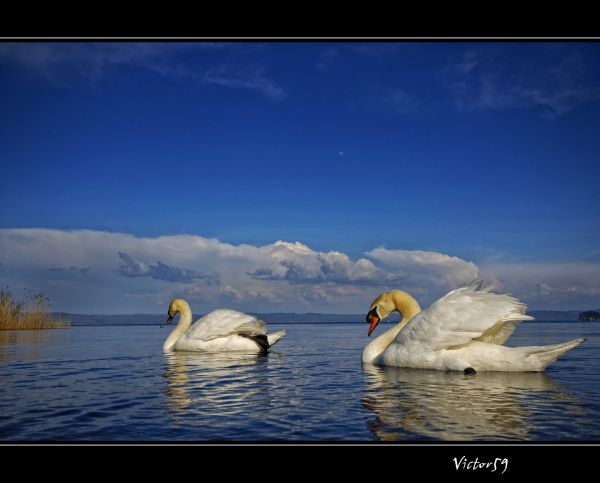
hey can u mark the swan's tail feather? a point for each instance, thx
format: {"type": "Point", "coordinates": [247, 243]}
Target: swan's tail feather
{"type": "Point", "coordinates": [275, 336]}
{"type": "Point", "coordinates": [546, 355]}
{"type": "Point", "coordinates": [261, 341]}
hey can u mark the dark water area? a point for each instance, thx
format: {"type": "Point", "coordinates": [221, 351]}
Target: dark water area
{"type": "Point", "coordinates": [114, 383]}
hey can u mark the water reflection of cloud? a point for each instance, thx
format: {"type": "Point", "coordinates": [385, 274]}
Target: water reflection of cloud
{"type": "Point", "coordinates": [424, 404]}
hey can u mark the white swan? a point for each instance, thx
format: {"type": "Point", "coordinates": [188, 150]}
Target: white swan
{"type": "Point", "coordinates": [462, 331]}
{"type": "Point", "coordinates": [219, 330]}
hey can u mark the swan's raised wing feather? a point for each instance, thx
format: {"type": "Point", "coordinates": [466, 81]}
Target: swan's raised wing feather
{"type": "Point", "coordinates": [501, 331]}
{"type": "Point", "coordinates": [224, 322]}
{"type": "Point", "coordinates": [463, 315]}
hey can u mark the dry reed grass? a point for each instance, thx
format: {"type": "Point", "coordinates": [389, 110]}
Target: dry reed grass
{"type": "Point", "coordinates": [32, 312]}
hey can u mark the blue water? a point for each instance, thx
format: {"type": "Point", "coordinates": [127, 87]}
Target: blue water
{"type": "Point", "coordinates": [114, 384]}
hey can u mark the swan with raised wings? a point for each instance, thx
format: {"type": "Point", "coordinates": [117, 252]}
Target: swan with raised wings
{"type": "Point", "coordinates": [462, 331]}
{"type": "Point", "coordinates": [219, 330]}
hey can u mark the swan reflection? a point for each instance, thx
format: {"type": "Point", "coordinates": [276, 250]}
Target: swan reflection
{"type": "Point", "coordinates": [429, 404]}
{"type": "Point", "coordinates": [216, 384]}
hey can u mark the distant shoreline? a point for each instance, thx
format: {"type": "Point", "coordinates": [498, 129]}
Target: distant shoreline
{"type": "Point", "coordinates": [281, 318]}
{"type": "Point", "coordinates": [278, 318]}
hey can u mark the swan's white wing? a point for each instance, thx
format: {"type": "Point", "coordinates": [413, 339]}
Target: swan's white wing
{"type": "Point", "coordinates": [501, 331]}
{"type": "Point", "coordinates": [466, 314]}
{"type": "Point", "coordinates": [223, 322]}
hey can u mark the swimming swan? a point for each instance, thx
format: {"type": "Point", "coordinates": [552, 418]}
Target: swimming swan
{"type": "Point", "coordinates": [220, 330]}
{"type": "Point", "coordinates": [462, 331]}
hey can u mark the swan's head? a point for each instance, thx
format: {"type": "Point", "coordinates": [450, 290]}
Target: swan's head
{"type": "Point", "coordinates": [176, 306]}
{"type": "Point", "coordinates": [381, 308]}
{"type": "Point", "coordinates": [392, 301]}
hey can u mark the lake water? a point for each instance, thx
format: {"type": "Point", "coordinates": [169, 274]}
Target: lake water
{"type": "Point", "coordinates": [115, 384]}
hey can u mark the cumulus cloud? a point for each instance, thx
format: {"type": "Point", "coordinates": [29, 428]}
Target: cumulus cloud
{"type": "Point", "coordinates": [298, 264]}
{"type": "Point", "coordinates": [131, 267]}
{"type": "Point", "coordinates": [426, 272]}
{"type": "Point", "coordinates": [551, 285]}
{"type": "Point", "coordinates": [280, 276]}
{"type": "Point", "coordinates": [100, 272]}
{"type": "Point", "coordinates": [242, 294]}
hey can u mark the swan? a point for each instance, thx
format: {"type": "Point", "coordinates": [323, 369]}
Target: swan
{"type": "Point", "coordinates": [462, 331]}
{"type": "Point", "coordinates": [219, 330]}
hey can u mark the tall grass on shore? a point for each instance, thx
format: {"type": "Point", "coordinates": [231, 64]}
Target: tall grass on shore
{"type": "Point", "coordinates": [31, 312]}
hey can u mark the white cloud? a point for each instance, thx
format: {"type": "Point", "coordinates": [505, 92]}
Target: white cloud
{"type": "Point", "coordinates": [281, 276]}
{"type": "Point", "coordinates": [59, 62]}
{"type": "Point", "coordinates": [85, 271]}
{"type": "Point", "coordinates": [88, 60]}
{"type": "Point", "coordinates": [467, 63]}
{"type": "Point", "coordinates": [130, 267]}
{"type": "Point", "coordinates": [250, 294]}
{"type": "Point", "coordinates": [428, 273]}
{"type": "Point", "coordinates": [560, 101]}
{"type": "Point", "coordinates": [489, 80]}
{"type": "Point", "coordinates": [328, 57]}
{"type": "Point", "coordinates": [297, 263]}
{"type": "Point", "coordinates": [244, 78]}
{"type": "Point", "coordinates": [401, 101]}
{"type": "Point", "coordinates": [549, 285]}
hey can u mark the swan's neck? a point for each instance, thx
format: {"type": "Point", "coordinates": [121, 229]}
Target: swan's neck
{"type": "Point", "coordinates": [408, 308]}
{"type": "Point", "coordinates": [185, 320]}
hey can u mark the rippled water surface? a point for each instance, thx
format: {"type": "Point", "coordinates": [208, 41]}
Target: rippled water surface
{"type": "Point", "coordinates": [114, 383]}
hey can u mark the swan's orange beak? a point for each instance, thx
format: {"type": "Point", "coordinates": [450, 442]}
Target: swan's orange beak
{"type": "Point", "coordinates": [374, 321]}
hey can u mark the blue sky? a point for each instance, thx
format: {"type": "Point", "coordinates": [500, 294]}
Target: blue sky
{"type": "Point", "coordinates": [485, 153]}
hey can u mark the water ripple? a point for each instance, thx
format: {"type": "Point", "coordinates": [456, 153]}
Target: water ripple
{"type": "Point", "coordinates": [114, 383]}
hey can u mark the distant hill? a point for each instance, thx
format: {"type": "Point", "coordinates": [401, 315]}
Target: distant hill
{"type": "Point", "coordinates": [590, 315]}
{"type": "Point", "coordinates": [118, 319]}
{"type": "Point", "coordinates": [280, 318]}
{"type": "Point", "coordinates": [554, 315]}
{"type": "Point", "coordinates": [158, 319]}
{"type": "Point", "coordinates": [310, 318]}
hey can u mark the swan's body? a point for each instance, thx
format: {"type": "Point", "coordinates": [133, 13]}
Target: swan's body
{"type": "Point", "coordinates": [462, 331]}
{"type": "Point", "coordinates": [219, 330]}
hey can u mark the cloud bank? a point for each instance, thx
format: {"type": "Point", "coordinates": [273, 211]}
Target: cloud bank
{"type": "Point", "coordinates": [160, 271]}
{"type": "Point", "coordinates": [550, 285]}
{"type": "Point", "coordinates": [90, 271]}
{"type": "Point", "coordinates": [124, 273]}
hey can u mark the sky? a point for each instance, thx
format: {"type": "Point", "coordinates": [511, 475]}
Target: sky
{"type": "Point", "coordinates": [298, 176]}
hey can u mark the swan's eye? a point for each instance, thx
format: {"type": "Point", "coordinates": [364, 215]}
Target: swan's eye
{"type": "Point", "coordinates": [372, 312]}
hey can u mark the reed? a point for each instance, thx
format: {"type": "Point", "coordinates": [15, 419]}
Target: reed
{"type": "Point", "coordinates": [31, 312]}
